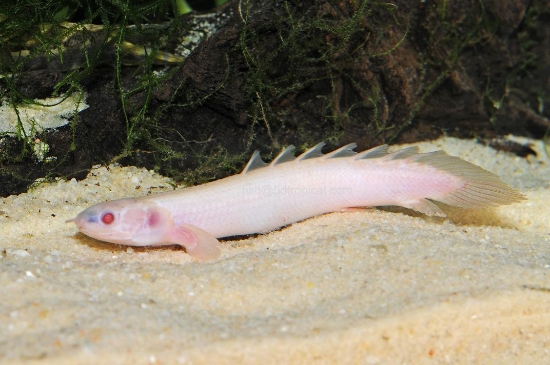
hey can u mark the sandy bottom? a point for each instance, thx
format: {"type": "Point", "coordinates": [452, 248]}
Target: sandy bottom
{"type": "Point", "coordinates": [361, 287]}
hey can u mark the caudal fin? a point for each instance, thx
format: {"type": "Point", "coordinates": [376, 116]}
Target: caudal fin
{"type": "Point", "coordinates": [481, 188]}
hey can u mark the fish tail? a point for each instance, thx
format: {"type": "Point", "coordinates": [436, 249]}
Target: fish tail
{"type": "Point", "coordinates": [481, 188]}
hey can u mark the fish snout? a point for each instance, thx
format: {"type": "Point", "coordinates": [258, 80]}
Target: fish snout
{"type": "Point", "coordinates": [76, 220]}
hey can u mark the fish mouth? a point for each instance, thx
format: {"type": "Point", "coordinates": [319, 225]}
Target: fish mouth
{"type": "Point", "coordinates": [92, 232]}
{"type": "Point", "coordinates": [76, 220]}
{"type": "Point", "coordinates": [79, 222]}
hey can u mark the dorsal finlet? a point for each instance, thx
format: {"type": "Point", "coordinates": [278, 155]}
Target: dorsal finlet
{"type": "Point", "coordinates": [286, 155]}
{"type": "Point", "coordinates": [404, 153]}
{"type": "Point", "coordinates": [255, 162]}
{"type": "Point", "coordinates": [344, 151]}
{"type": "Point", "coordinates": [313, 152]}
{"type": "Point", "coordinates": [375, 152]}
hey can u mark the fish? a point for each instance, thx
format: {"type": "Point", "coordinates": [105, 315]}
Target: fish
{"type": "Point", "coordinates": [265, 197]}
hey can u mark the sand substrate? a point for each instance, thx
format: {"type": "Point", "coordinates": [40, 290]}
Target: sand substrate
{"type": "Point", "coordinates": [362, 287]}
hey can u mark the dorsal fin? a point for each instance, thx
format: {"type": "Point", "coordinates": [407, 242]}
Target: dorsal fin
{"type": "Point", "coordinates": [404, 153]}
{"type": "Point", "coordinates": [344, 151]}
{"type": "Point", "coordinates": [286, 155]}
{"type": "Point", "coordinates": [313, 152]}
{"type": "Point", "coordinates": [255, 162]}
{"type": "Point", "coordinates": [375, 152]}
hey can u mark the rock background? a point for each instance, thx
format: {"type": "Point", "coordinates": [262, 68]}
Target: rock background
{"type": "Point", "coordinates": [277, 73]}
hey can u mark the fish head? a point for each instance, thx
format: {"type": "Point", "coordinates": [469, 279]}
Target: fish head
{"type": "Point", "coordinates": [125, 221]}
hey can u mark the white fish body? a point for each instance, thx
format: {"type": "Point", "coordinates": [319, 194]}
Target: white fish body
{"type": "Point", "coordinates": [265, 197]}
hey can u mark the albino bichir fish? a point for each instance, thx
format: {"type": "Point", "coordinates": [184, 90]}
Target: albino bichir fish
{"type": "Point", "coordinates": [266, 197]}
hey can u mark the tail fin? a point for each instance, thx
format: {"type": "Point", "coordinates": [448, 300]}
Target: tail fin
{"type": "Point", "coordinates": [481, 187]}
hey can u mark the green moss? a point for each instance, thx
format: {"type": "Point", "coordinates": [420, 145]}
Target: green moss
{"type": "Point", "coordinates": [71, 39]}
{"type": "Point", "coordinates": [309, 52]}
{"type": "Point", "coordinates": [312, 49]}
{"type": "Point", "coordinates": [75, 37]}
{"type": "Point", "coordinates": [315, 49]}
{"type": "Point", "coordinates": [534, 56]}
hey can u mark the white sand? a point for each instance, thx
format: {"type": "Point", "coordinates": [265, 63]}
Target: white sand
{"type": "Point", "coordinates": [361, 287]}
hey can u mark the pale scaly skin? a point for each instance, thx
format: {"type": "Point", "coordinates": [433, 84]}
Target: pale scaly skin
{"type": "Point", "coordinates": [266, 197]}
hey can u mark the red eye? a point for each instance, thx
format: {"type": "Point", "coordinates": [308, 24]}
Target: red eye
{"type": "Point", "coordinates": [108, 218]}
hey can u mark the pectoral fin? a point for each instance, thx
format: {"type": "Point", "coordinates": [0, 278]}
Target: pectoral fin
{"type": "Point", "coordinates": [198, 243]}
